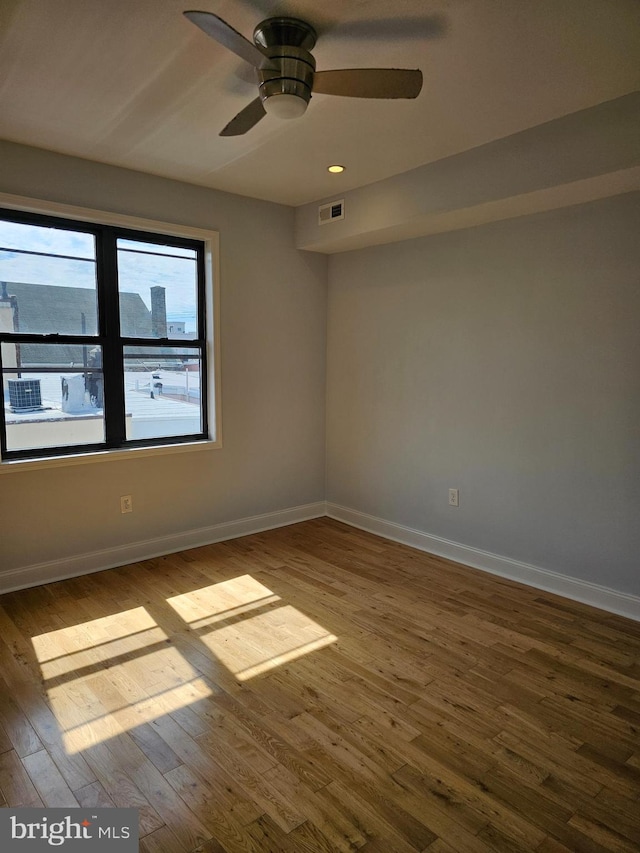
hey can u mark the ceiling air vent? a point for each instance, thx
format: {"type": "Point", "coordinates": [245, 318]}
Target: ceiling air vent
{"type": "Point", "coordinates": [330, 212]}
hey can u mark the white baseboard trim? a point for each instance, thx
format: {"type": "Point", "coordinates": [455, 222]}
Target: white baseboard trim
{"type": "Point", "coordinates": [121, 555]}
{"type": "Point", "coordinates": [611, 600]}
{"type": "Point", "coordinates": [621, 603]}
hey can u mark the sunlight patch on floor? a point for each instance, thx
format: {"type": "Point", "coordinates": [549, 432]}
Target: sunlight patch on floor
{"type": "Point", "coordinates": [89, 645]}
{"type": "Point", "coordinates": [259, 631]}
{"type": "Point", "coordinates": [222, 600]}
{"type": "Point", "coordinates": [108, 675]}
{"type": "Point", "coordinates": [285, 656]}
{"type": "Point", "coordinates": [90, 714]}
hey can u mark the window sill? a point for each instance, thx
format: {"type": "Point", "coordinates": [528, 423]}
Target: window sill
{"type": "Point", "coordinates": [9, 465]}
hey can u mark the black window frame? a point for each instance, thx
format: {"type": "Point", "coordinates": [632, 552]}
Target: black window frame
{"type": "Point", "coordinates": [109, 336]}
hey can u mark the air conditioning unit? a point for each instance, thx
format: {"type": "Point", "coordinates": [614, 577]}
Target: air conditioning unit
{"type": "Point", "coordinates": [24, 395]}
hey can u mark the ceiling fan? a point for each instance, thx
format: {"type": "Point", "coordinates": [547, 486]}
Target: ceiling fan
{"type": "Point", "coordinates": [286, 70]}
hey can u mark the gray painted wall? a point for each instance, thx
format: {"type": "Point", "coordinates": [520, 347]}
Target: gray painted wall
{"type": "Point", "coordinates": [501, 360]}
{"type": "Point", "coordinates": [273, 378]}
{"type": "Point", "coordinates": [504, 361]}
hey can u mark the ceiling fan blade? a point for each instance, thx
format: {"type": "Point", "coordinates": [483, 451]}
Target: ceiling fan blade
{"type": "Point", "coordinates": [225, 35]}
{"type": "Point", "coordinates": [245, 120]}
{"type": "Point", "coordinates": [369, 82]}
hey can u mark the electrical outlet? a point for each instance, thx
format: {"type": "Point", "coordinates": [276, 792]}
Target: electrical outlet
{"type": "Point", "coordinates": [126, 504]}
{"type": "Point", "coordinates": [454, 497]}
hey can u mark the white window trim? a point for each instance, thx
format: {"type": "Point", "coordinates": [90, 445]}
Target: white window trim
{"type": "Point", "coordinates": [211, 240]}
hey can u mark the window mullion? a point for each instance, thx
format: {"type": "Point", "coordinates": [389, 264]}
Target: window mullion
{"type": "Point", "coordinates": [3, 426]}
{"type": "Point", "coordinates": [202, 335]}
{"type": "Point", "coordinates": [109, 324]}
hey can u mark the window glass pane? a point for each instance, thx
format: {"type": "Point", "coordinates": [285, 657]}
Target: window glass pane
{"type": "Point", "coordinates": [63, 279]}
{"type": "Point", "coordinates": [49, 401]}
{"type": "Point", "coordinates": [162, 392]}
{"type": "Point", "coordinates": [47, 280]}
{"type": "Point", "coordinates": [158, 290]}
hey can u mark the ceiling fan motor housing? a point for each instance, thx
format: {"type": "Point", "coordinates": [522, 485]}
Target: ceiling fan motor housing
{"type": "Point", "coordinates": [286, 90]}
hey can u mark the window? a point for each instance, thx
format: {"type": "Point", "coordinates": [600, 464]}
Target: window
{"type": "Point", "coordinates": [103, 336]}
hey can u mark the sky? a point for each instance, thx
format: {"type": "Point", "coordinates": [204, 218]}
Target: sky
{"type": "Point", "coordinates": [137, 272]}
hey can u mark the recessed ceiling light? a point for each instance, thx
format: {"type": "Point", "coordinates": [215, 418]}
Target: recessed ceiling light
{"type": "Point", "coordinates": [336, 169]}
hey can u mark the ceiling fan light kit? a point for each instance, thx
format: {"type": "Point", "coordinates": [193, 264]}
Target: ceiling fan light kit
{"type": "Point", "coordinates": [284, 105]}
{"type": "Point", "coordinates": [286, 70]}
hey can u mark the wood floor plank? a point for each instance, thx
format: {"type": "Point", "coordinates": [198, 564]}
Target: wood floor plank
{"type": "Point", "coordinates": [263, 729]}
{"type": "Point", "coordinates": [17, 788]}
{"type": "Point", "coordinates": [73, 766]}
{"type": "Point", "coordinates": [5, 741]}
{"type": "Point", "coordinates": [177, 815]}
{"type": "Point", "coordinates": [225, 824]}
{"type": "Point", "coordinates": [336, 832]}
{"type": "Point", "coordinates": [16, 724]}
{"type": "Point", "coordinates": [94, 796]}
{"type": "Point", "coordinates": [205, 767]}
{"type": "Point", "coordinates": [121, 789]}
{"type": "Point", "coordinates": [266, 836]}
{"type": "Point", "coordinates": [309, 838]}
{"type": "Point", "coordinates": [48, 781]}
{"type": "Point", "coordinates": [161, 840]}
{"type": "Point", "coordinates": [373, 821]}
{"type": "Point", "coordinates": [317, 689]}
{"type": "Point", "coordinates": [283, 812]}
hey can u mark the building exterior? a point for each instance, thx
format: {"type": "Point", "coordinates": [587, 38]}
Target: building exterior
{"type": "Point", "coordinates": [71, 397]}
{"type": "Point", "coordinates": [43, 308]}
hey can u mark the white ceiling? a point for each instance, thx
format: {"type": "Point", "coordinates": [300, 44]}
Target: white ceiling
{"type": "Point", "coordinates": [133, 83]}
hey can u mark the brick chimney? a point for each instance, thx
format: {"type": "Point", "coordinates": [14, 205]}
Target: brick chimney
{"type": "Point", "coordinates": [158, 312]}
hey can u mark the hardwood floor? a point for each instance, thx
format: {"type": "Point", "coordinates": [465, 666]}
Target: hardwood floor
{"type": "Point", "coordinates": [316, 688]}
